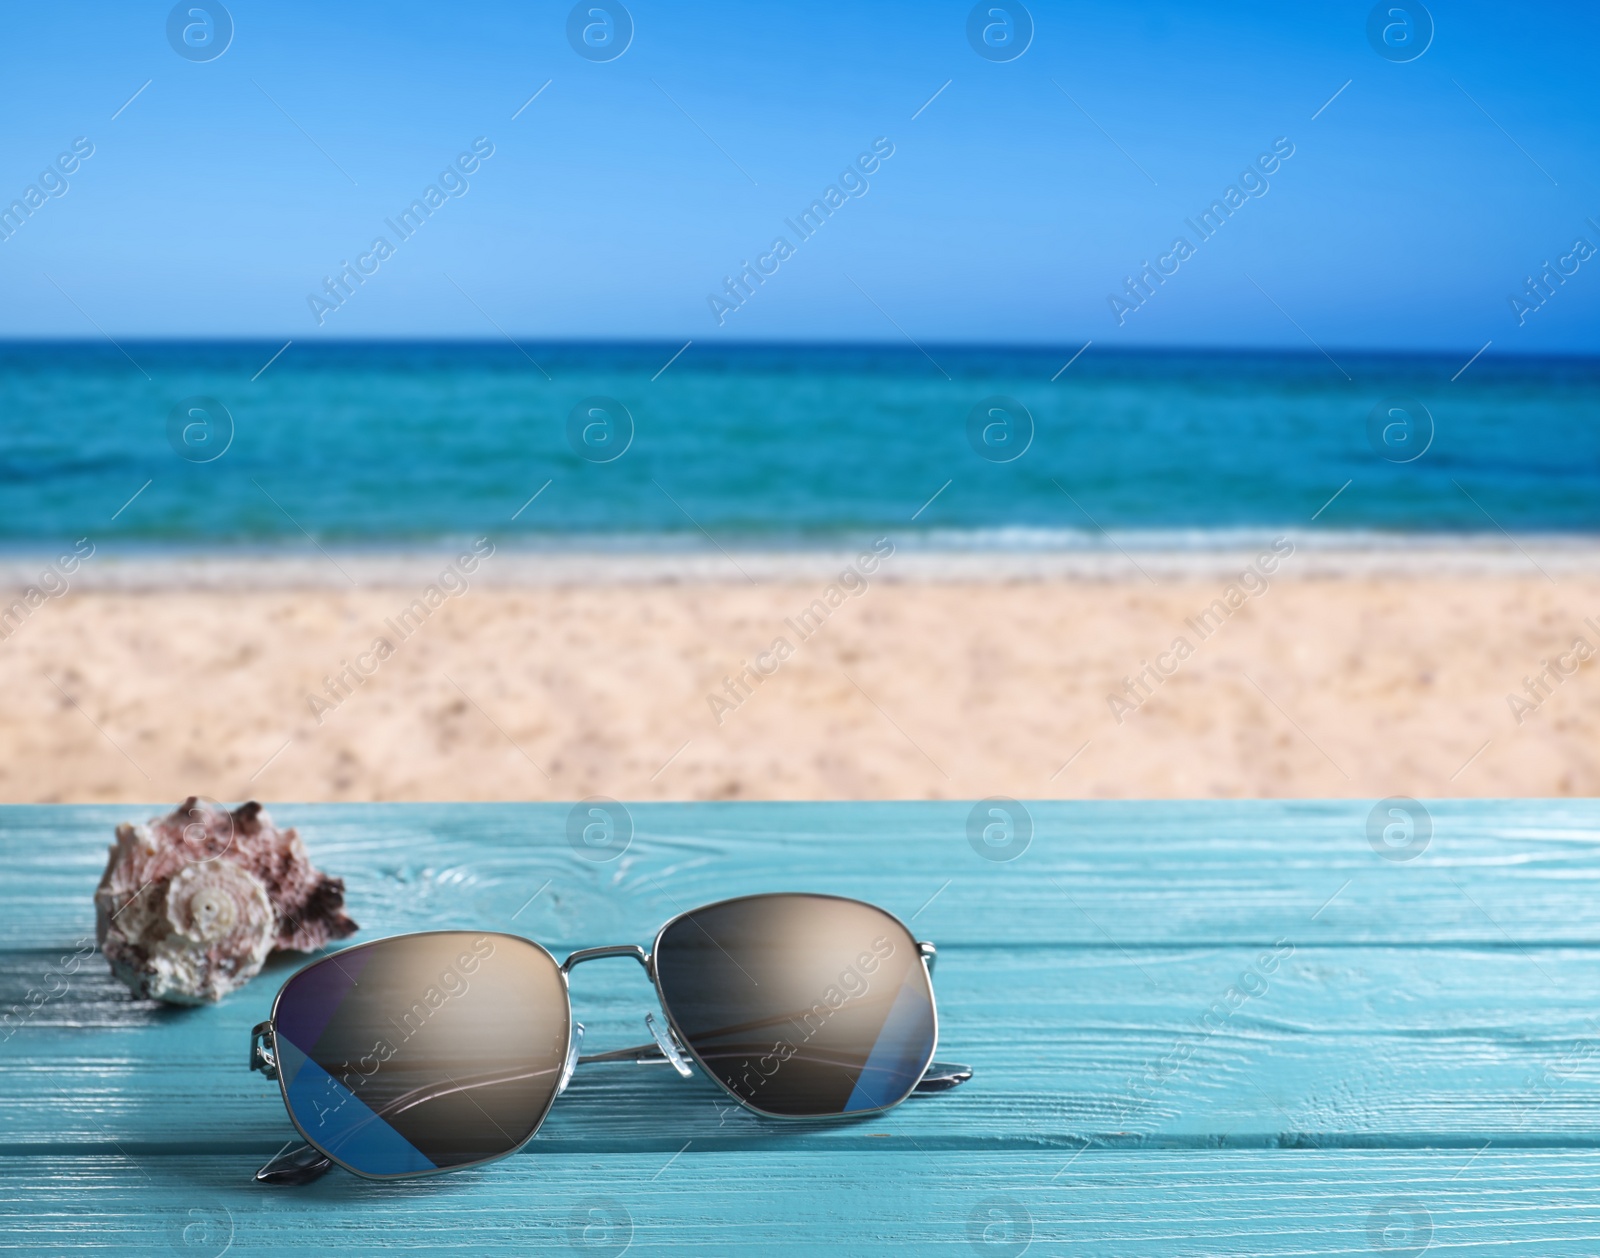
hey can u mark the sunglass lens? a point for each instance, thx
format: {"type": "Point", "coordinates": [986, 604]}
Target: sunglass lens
{"type": "Point", "coordinates": [423, 1052]}
{"type": "Point", "coordinates": [801, 1005]}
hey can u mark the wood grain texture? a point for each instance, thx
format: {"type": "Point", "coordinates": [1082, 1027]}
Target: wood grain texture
{"type": "Point", "coordinates": [1107, 1204]}
{"type": "Point", "coordinates": [1197, 1029]}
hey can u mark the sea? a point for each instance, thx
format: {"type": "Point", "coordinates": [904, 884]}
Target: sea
{"type": "Point", "coordinates": [243, 446]}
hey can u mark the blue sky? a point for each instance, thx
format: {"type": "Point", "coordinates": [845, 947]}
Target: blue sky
{"type": "Point", "coordinates": [616, 203]}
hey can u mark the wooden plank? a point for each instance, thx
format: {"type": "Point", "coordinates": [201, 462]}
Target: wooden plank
{"type": "Point", "coordinates": [1339, 1046]}
{"type": "Point", "coordinates": [1499, 873]}
{"type": "Point", "coordinates": [1150, 1080]}
{"type": "Point", "coordinates": [792, 1201]}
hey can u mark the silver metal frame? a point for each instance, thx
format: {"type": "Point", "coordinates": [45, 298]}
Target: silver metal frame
{"type": "Point", "coordinates": [264, 1054]}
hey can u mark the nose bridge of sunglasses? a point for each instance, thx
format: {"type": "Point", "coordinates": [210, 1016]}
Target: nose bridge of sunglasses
{"type": "Point", "coordinates": [613, 950]}
{"type": "Point", "coordinates": [665, 1050]}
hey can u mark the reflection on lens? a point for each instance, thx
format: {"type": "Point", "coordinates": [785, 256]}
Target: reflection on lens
{"type": "Point", "coordinates": [800, 1004]}
{"type": "Point", "coordinates": [424, 1052]}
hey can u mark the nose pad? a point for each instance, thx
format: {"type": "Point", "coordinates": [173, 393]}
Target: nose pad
{"type": "Point", "coordinates": [668, 1043]}
{"type": "Point", "coordinates": [572, 1058]}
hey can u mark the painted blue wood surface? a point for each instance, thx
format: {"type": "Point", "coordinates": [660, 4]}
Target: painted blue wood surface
{"type": "Point", "coordinates": [1198, 1029]}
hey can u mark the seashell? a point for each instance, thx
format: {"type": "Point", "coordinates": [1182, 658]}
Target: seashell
{"type": "Point", "coordinates": [213, 932]}
{"type": "Point", "coordinates": [191, 904]}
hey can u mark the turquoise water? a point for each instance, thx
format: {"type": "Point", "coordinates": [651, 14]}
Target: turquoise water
{"type": "Point", "coordinates": [776, 445]}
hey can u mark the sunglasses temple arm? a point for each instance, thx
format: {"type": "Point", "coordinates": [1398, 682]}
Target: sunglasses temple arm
{"type": "Point", "coordinates": [940, 1076]}
{"type": "Point", "coordinates": [292, 1167]}
{"type": "Point", "coordinates": [641, 1054]}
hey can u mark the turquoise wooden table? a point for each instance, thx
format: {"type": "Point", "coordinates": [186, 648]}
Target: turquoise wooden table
{"type": "Point", "coordinates": [1231, 1028]}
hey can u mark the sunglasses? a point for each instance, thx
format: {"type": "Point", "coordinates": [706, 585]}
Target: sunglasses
{"type": "Point", "coordinates": [441, 1050]}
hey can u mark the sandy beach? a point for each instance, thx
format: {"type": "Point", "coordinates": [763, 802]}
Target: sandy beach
{"type": "Point", "coordinates": [654, 679]}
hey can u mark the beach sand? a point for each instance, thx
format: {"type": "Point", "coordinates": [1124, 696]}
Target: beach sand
{"type": "Point", "coordinates": [1363, 685]}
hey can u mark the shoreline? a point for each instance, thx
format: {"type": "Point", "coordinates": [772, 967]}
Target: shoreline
{"type": "Point", "coordinates": [1147, 557]}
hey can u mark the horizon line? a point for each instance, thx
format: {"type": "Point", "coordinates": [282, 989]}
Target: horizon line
{"type": "Point", "coordinates": [655, 342]}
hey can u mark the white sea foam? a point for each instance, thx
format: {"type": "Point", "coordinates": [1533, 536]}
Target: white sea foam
{"type": "Point", "coordinates": [930, 555]}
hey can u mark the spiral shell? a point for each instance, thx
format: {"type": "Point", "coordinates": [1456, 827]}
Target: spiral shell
{"type": "Point", "coordinates": [219, 931]}
{"type": "Point", "coordinates": [192, 904]}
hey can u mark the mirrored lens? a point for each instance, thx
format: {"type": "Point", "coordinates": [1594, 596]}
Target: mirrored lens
{"type": "Point", "coordinates": [423, 1052]}
{"type": "Point", "coordinates": [802, 1005]}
